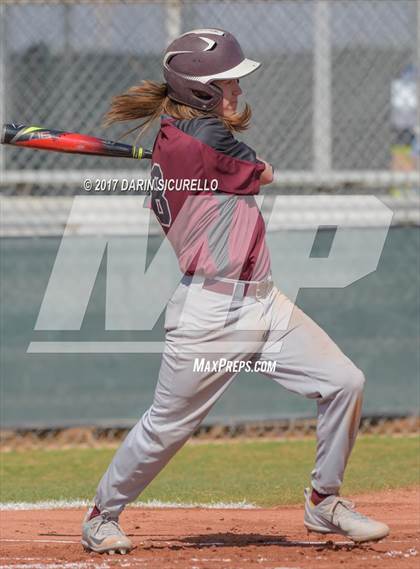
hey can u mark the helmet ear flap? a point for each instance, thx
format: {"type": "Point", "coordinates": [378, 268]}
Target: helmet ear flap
{"type": "Point", "coordinates": [209, 94]}
{"type": "Point", "coordinates": [193, 93]}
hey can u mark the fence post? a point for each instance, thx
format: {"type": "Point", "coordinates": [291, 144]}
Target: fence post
{"type": "Point", "coordinates": [417, 72]}
{"type": "Point", "coordinates": [2, 78]}
{"type": "Point", "coordinates": [173, 19]}
{"type": "Point", "coordinates": [322, 87]}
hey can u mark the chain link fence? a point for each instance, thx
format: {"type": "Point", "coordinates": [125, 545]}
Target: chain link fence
{"type": "Point", "coordinates": [336, 91]}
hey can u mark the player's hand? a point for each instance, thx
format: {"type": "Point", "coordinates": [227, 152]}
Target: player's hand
{"type": "Point", "coordinates": [268, 174]}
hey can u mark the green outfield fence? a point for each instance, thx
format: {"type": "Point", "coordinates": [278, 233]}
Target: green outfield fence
{"type": "Point", "coordinates": [375, 321]}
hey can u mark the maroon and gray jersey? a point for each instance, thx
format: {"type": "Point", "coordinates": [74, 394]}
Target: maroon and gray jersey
{"type": "Point", "coordinates": [204, 181]}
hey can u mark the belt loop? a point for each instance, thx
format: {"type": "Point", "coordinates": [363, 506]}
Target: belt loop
{"type": "Point", "coordinates": [192, 279]}
{"type": "Point", "coordinates": [186, 280]}
{"type": "Point", "coordinates": [239, 291]}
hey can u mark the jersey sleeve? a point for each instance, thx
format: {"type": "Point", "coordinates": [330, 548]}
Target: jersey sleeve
{"type": "Point", "coordinates": [214, 133]}
{"type": "Point", "coordinates": [232, 163]}
{"type": "Point", "coordinates": [233, 176]}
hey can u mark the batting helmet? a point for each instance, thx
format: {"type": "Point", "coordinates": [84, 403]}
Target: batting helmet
{"type": "Point", "coordinates": [197, 58]}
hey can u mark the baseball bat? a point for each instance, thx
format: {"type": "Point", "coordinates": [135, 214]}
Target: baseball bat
{"type": "Point", "coordinates": [29, 136]}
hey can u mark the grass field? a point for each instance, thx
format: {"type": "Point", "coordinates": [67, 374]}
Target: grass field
{"type": "Point", "coordinates": [264, 473]}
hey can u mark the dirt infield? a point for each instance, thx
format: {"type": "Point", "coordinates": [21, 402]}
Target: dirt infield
{"type": "Point", "coordinates": [215, 539]}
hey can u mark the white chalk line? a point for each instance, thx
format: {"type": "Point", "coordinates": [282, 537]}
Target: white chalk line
{"type": "Point", "coordinates": [195, 543]}
{"type": "Point", "coordinates": [64, 565]}
{"type": "Point", "coordinates": [37, 540]}
{"type": "Point", "coordinates": [289, 543]}
{"type": "Point", "coordinates": [83, 565]}
{"type": "Point", "coordinates": [204, 543]}
{"type": "Point", "coordinates": [70, 504]}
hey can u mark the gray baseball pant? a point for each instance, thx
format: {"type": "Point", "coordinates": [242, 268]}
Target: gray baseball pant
{"type": "Point", "coordinates": [210, 325]}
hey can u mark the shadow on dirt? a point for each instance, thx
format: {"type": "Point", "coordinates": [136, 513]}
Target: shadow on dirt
{"type": "Point", "coordinates": [254, 539]}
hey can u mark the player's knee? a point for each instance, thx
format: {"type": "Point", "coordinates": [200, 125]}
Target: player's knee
{"type": "Point", "coordinates": [347, 380]}
{"type": "Point", "coordinates": [354, 381]}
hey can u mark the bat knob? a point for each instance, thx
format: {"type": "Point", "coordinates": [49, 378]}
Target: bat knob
{"type": "Point", "coordinates": [9, 131]}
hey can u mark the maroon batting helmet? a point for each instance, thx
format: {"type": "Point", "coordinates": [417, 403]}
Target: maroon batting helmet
{"type": "Point", "coordinates": [197, 58]}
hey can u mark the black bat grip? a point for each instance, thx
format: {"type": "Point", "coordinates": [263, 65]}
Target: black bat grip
{"type": "Point", "coordinates": [8, 131]}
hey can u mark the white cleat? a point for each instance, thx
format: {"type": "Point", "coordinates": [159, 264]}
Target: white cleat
{"type": "Point", "coordinates": [104, 535]}
{"type": "Point", "coordinates": [336, 515]}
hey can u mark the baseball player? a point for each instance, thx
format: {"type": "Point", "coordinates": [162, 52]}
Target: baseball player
{"type": "Point", "coordinates": [226, 304]}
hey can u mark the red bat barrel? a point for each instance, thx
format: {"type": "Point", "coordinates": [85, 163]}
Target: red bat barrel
{"type": "Point", "coordinates": [71, 142]}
